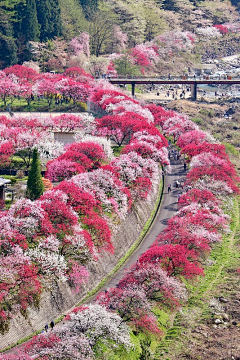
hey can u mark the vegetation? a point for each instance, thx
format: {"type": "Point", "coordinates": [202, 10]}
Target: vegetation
{"type": "Point", "coordinates": [42, 105]}
{"type": "Point", "coordinates": [35, 185]}
{"type": "Point", "coordinates": [23, 21]}
{"type": "Point", "coordinates": [143, 304]}
{"type": "Point", "coordinates": [199, 316]}
{"type": "Point", "coordinates": [112, 25]}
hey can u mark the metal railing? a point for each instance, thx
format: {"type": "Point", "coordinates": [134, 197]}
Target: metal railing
{"type": "Point", "coordinates": [174, 78]}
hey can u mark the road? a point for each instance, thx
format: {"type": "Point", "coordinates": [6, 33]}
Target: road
{"type": "Point", "coordinates": [167, 209]}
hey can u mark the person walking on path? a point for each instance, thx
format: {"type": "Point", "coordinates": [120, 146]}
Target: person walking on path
{"type": "Point", "coordinates": [185, 166]}
{"type": "Point", "coordinates": [52, 324]}
{"type": "Point", "coordinates": [46, 327]}
{"type": "Point", "coordinates": [169, 188]}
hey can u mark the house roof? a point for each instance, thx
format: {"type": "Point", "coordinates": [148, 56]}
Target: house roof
{"type": "Point", "coordinates": [4, 181]}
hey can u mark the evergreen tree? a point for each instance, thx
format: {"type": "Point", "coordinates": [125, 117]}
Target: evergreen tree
{"type": "Point", "coordinates": [55, 19]}
{"type": "Point", "coordinates": [89, 6]}
{"type": "Point", "coordinates": [48, 14]}
{"type": "Point", "coordinates": [8, 48]}
{"type": "Point", "coordinates": [43, 15]}
{"type": "Point", "coordinates": [30, 26]}
{"type": "Point", "coordinates": [8, 51]}
{"type": "Point", "coordinates": [170, 5]}
{"type": "Point", "coordinates": [35, 185]}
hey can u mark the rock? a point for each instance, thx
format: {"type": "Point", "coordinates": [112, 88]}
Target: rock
{"type": "Point", "coordinates": [224, 327]}
{"type": "Point", "coordinates": [223, 300]}
{"type": "Point", "coordinates": [197, 331]}
{"type": "Point", "coordinates": [230, 111]}
{"type": "Point", "coordinates": [225, 317]}
{"type": "Point", "coordinates": [218, 321]}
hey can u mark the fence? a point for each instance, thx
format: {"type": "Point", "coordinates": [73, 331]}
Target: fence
{"type": "Point", "coordinates": [96, 110]}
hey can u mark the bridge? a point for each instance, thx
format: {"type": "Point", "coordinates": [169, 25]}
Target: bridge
{"type": "Point", "coordinates": [193, 82]}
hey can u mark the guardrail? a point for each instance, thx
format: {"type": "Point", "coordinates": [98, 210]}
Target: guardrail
{"type": "Point", "coordinates": [174, 78]}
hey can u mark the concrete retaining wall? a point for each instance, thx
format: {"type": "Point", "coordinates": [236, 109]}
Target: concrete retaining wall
{"type": "Point", "coordinates": [61, 298]}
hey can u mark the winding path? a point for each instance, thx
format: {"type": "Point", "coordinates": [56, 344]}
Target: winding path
{"type": "Point", "coordinates": [166, 211]}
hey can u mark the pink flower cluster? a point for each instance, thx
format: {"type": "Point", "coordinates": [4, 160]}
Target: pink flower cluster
{"type": "Point", "coordinates": [156, 279]}
{"type": "Point", "coordinates": [19, 81]}
{"type": "Point", "coordinates": [179, 250]}
{"type": "Point", "coordinates": [47, 234]}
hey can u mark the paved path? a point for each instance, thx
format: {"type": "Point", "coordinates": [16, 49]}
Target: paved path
{"type": "Point", "coordinates": [167, 209]}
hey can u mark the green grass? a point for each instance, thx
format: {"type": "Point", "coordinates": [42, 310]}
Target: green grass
{"type": "Point", "coordinates": [197, 120]}
{"type": "Point", "coordinates": [231, 149]}
{"type": "Point", "coordinates": [39, 105]}
{"type": "Point", "coordinates": [137, 90]}
{"type": "Point", "coordinates": [207, 112]}
{"type": "Point", "coordinates": [10, 177]}
{"type": "Point", "coordinates": [14, 178]}
{"type": "Point", "coordinates": [144, 344]}
{"type": "Point", "coordinates": [117, 150]}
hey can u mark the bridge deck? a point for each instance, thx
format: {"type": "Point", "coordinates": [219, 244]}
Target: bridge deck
{"type": "Point", "coordinates": [193, 82]}
{"type": "Point", "coordinates": [233, 81]}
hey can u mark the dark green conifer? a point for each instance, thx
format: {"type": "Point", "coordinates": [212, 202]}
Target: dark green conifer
{"type": "Point", "coordinates": [56, 29]}
{"type": "Point", "coordinates": [170, 5]}
{"type": "Point", "coordinates": [30, 26]}
{"type": "Point", "coordinates": [48, 13]}
{"type": "Point", "coordinates": [35, 185]}
{"type": "Point", "coordinates": [89, 6]}
{"type": "Point", "coordinates": [8, 48]}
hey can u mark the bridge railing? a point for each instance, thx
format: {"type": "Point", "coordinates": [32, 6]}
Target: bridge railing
{"type": "Point", "coordinates": [174, 78]}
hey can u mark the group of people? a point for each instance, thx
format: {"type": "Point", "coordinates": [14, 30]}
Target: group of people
{"type": "Point", "coordinates": [52, 324]}
{"type": "Point", "coordinates": [178, 185]}
{"type": "Point", "coordinates": [174, 153]}
{"type": "Point", "coordinates": [174, 93]}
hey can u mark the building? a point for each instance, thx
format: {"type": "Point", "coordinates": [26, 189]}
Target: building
{"type": "Point", "coordinates": [3, 183]}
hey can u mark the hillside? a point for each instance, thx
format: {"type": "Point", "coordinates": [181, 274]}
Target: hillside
{"type": "Point", "coordinates": [113, 26]}
{"type": "Point", "coordinates": [204, 232]}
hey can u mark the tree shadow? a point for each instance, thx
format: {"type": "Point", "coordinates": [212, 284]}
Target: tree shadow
{"type": "Point", "coordinates": [171, 207]}
{"type": "Point", "coordinates": [164, 221]}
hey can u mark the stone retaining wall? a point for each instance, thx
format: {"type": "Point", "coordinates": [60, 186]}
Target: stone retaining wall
{"type": "Point", "coordinates": [61, 299]}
